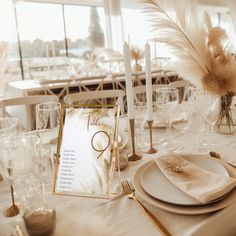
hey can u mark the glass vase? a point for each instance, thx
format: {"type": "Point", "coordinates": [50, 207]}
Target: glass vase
{"type": "Point", "coordinates": [225, 122]}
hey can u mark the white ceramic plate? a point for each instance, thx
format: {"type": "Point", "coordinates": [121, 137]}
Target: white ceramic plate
{"type": "Point", "coordinates": [187, 210]}
{"type": "Point", "coordinates": [168, 192]}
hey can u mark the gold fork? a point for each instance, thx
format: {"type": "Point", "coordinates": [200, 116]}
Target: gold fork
{"type": "Point", "coordinates": [130, 194]}
{"type": "Point", "coordinates": [19, 231]}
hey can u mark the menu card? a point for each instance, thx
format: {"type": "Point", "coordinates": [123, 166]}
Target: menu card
{"type": "Point", "coordinates": [85, 161]}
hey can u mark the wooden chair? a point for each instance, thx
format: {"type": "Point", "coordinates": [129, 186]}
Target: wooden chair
{"type": "Point", "coordinates": [183, 86]}
{"type": "Point", "coordinates": [21, 108]}
{"type": "Point", "coordinates": [140, 92]}
{"type": "Point", "coordinates": [97, 97]}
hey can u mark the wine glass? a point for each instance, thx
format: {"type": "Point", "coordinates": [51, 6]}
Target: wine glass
{"type": "Point", "coordinates": [47, 120]}
{"type": "Point", "coordinates": [210, 111]}
{"type": "Point", "coordinates": [17, 165]}
{"type": "Point", "coordinates": [167, 99]}
{"type": "Point", "coordinates": [22, 164]}
{"type": "Point", "coordinates": [47, 125]}
{"type": "Point", "coordinates": [196, 98]}
{"type": "Point", "coordinates": [140, 109]}
{"type": "Point", "coordinates": [183, 120]}
{"type": "Point", "coordinates": [8, 128]}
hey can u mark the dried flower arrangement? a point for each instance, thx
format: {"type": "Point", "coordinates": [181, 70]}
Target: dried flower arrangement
{"type": "Point", "coordinates": [203, 55]}
{"type": "Point", "coordinates": [136, 54]}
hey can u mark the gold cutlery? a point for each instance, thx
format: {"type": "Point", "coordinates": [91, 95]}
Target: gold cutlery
{"type": "Point", "coordinates": [19, 231]}
{"type": "Point", "coordinates": [219, 157]}
{"type": "Point", "coordinates": [131, 195]}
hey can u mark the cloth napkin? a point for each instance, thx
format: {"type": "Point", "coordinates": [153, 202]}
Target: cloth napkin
{"type": "Point", "coordinates": [198, 183]}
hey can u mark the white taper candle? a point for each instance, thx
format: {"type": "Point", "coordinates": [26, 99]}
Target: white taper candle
{"type": "Point", "coordinates": [148, 82]}
{"type": "Point", "coordinates": [128, 82]}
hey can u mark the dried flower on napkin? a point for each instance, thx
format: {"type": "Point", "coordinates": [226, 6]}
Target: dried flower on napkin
{"type": "Point", "coordinates": [198, 183]}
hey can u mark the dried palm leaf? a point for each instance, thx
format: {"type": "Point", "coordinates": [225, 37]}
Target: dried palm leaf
{"type": "Point", "coordinates": [202, 57]}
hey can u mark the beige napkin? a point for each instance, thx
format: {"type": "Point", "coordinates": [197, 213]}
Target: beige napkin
{"type": "Point", "coordinates": [198, 183]}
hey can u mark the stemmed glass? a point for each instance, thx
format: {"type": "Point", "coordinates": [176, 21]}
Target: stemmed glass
{"type": "Point", "coordinates": [47, 120]}
{"type": "Point", "coordinates": [167, 99]}
{"type": "Point", "coordinates": [8, 128]}
{"type": "Point", "coordinates": [210, 110]}
{"type": "Point", "coordinates": [140, 114]}
{"type": "Point", "coordinates": [22, 164]}
{"type": "Point", "coordinates": [184, 114]}
{"type": "Point", "coordinates": [47, 126]}
{"type": "Point", "coordinates": [196, 98]}
{"type": "Point", "coordinates": [17, 165]}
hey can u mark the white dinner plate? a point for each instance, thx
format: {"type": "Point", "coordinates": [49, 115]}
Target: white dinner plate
{"type": "Point", "coordinates": [187, 210]}
{"type": "Point", "coordinates": [158, 186]}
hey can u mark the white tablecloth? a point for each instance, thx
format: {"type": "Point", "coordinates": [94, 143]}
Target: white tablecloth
{"type": "Point", "coordinates": [122, 216]}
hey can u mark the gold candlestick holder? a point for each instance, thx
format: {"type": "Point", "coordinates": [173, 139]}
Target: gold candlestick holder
{"type": "Point", "coordinates": [133, 156]}
{"type": "Point", "coordinates": [151, 150]}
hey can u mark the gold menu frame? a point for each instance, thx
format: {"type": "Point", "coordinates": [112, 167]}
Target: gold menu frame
{"type": "Point", "coordinates": [115, 151]}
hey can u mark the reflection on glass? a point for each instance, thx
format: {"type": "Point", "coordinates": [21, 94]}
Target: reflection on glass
{"type": "Point", "coordinates": [85, 29]}
{"type": "Point", "coordinates": [42, 36]}
{"type": "Point", "coordinates": [167, 100]}
{"type": "Point", "coordinates": [8, 37]}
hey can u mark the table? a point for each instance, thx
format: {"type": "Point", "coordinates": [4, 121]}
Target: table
{"type": "Point", "coordinates": [85, 83]}
{"type": "Point", "coordinates": [121, 216]}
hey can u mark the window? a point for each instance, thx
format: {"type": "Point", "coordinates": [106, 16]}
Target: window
{"type": "Point", "coordinates": [8, 35]}
{"type": "Point", "coordinates": [84, 28]}
{"type": "Point", "coordinates": [42, 35]}
{"type": "Point", "coordinates": [138, 36]}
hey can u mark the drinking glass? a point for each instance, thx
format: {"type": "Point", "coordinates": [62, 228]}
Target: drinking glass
{"type": "Point", "coordinates": [183, 120]}
{"type": "Point", "coordinates": [17, 164]}
{"type": "Point", "coordinates": [47, 126]}
{"type": "Point", "coordinates": [193, 93]}
{"type": "Point", "coordinates": [48, 120]}
{"type": "Point", "coordinates": [22, 159]}
{"type": "Point", "coordinates": [167, 99]}
{"type": "Point", "coordinates": [197, 99]}
{"type": "Point", "coordinates": [210, 111]}
{"type": "Point", "coordinates": [40, 220]}
{"type": "Point", "coordinates": [140, 109]}
{"type": "Point", "coordinates": [8, 128]}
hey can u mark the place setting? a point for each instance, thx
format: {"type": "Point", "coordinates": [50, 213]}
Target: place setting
{"type": "Point", "coordinates": [110, 129]}
{"type": "Point", "coordinates": [160, 190]}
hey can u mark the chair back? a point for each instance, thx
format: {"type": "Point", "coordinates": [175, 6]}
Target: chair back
{"type": "Point", "coordinates": [183, 86]}
{"type": "Point", "coordinates": [21, 108]}
{"type": "Point", "coordinates": [97, 97]}
{"type": "Point", "coordinates": [140, 92]}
